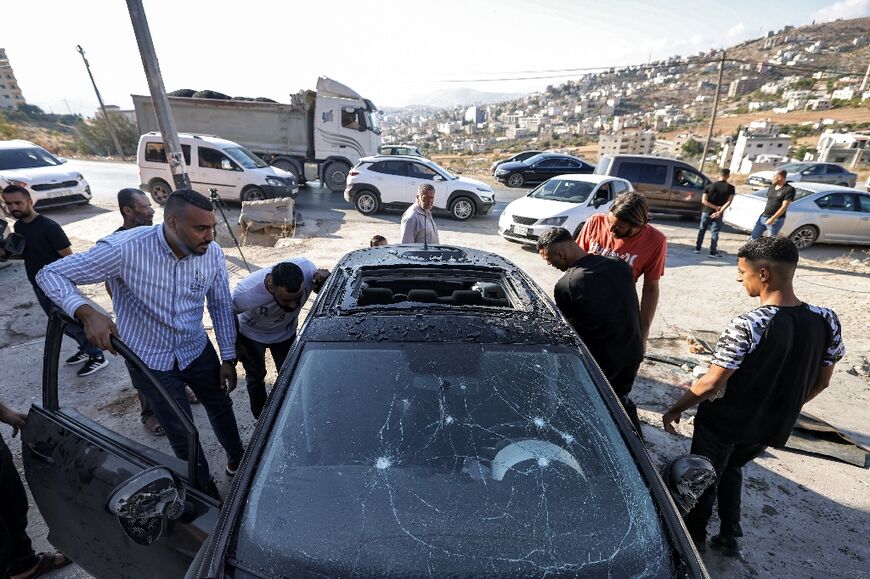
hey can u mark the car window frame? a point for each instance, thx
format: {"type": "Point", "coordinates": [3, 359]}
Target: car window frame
{"type": "Point", "coordinates": [185, 152]}
{"type": "Point", "coordinates": [853, 209]}
{"type": "Point", "coordinates": [58, 320]}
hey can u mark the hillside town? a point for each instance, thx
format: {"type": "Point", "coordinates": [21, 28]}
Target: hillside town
{"type": "Point", "coordinates": [663, 107]}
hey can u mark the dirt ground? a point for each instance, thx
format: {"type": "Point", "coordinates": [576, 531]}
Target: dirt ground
{"type": "Point", "coordinates": [804, 515]}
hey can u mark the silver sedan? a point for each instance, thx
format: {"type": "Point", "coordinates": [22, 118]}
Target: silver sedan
{"type": "Point", "coordinates": [820, 213]}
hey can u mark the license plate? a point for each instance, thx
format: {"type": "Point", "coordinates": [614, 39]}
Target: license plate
{"type": "Point", "coordinates": [520, 230]}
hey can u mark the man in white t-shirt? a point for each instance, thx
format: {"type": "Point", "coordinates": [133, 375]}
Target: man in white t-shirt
{"type": "Point", "coordinates": [268, 303]}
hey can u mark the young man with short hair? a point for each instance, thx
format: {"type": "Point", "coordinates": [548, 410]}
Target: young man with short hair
{"type": "Point", "coordinates": [716, 199]}
{"type": "Point", "coordinates": [625, 233]}
{"type": "Point", "coordinates": [418, 225]}
{"type": "Point", "coordinates": [162, 278]}
{"type": "Point", "coordinates": [598, 298]}
{"type": "Point", "coordinates": [136, 211]}
{"type": "Point", "coordinates": [46, 243]}
{"type": "Point", "coordinates": [773, 360]}
{"type": "Point", "coordinates": [268, 303]}
{"type": "Point", "coordinates": [779, 196]}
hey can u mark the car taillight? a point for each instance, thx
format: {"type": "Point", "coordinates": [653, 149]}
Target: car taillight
{"type": "Point", "coordinates": [353, 173]}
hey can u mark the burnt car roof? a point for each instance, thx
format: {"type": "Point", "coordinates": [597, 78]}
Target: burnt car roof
{"type": "Point", "coordinates": [522, 314]}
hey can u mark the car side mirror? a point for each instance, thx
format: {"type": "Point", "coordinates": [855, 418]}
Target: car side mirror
{"type": "Point", "coordinates": [144, 501]}
{"type": "Point", "coordinates": [63, 160]}
{"type": "Point", "coordinates": [437, 178]}
{"type": "Point", "coordinates": [687, 477]}
{"type": "Point", "coordinates": [598, 202]}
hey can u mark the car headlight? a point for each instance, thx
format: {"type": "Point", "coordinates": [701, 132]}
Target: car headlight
{"type": "Point", "coordinates": [554, 221]}
{"type": "Point", "coordinates": [484, 189]}
{"type": "Point", "coordinates": [502, 172]}
{"type": "Point", "coordinates": [276, 182]}
{"type": "Point", "coordinates": [80, 177]}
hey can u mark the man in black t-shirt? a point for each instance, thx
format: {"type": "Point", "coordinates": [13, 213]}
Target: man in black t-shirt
{"type": "Point", "coordinates": [716, 199]}
{"type": "Point", "coordinates": [773, 359]}
{"type": "Point", "coordinates": [779, 196]}
{"type": "Point", "coordinates": [45, 243]}
{"type": "Point", "coordinates": [598, 298]}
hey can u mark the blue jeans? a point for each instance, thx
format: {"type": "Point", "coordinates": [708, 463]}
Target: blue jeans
{"type": "Point", "coordinates": [203, 377]}
{"type": "Point", "coordinates": [761, 227]}
{"type": "Point", "coordinates": [71, 330]}
{"type": "Point", "coordinates": [714, 225]}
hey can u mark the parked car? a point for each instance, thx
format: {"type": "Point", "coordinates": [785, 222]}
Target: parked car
{"type": "Point", "coordinates": [43, 175]}
{"type": "Point", "coordinates": [823, 213]}
{"type": "Point", "coordinates": [806, 172]}
{"type": "Point", "coordinates": [669, 185]}
{"type": "Point", "coordinates": [212, 162]}
{"type": "Point", "coordinates": [379, 182]}
{"type": "Point", "coordinates": [539, 168]}
{"type": "Point", "coordinates": [474, 437]}
{"type": "Point", "coordinates": [867, 184]}
{"type": "Point", "coordinates": [513, 158]}
{"type": "Point", "coordinates": [566, 201]}
{"type": "Point", "coordinates": [411, 150]}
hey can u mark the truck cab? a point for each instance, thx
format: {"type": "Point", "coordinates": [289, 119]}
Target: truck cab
{"type": "Point", "coordinates": [345, 129]}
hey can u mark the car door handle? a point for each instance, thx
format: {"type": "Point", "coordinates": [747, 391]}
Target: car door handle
{"type": "Point", "coordinates": [38, 455]}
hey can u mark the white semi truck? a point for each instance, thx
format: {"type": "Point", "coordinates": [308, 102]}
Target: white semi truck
{"type": "Point", "coordinates": [320, 135]}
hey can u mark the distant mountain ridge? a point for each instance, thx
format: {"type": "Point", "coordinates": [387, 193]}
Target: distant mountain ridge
{"type": "Point", "coordinates": [446, 98]}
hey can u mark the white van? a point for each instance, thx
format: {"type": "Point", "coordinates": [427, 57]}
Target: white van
{"type": "Point", "coordinates": [212, 163]}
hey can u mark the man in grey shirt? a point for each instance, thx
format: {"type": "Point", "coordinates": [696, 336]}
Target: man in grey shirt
{"type": "Point", "coordinates": [418, 226]}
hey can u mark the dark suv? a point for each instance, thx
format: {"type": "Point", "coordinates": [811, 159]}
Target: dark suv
{"type": "Point", "coordinates": [669, 185]}
{"type": "Point", "coordinates": [435, 417]}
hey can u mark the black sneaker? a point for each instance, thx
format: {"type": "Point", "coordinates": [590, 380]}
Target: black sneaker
{"type": "Point", "coordinates": [233, 467]}
{"type": "Point", "coordinates": [696, 251]}
{"type": "Point", "coordinates": [77, 358]}
{"type": "Point", "coordinates": [728, 546]}
{"type": "Point", "coordinates": [715, 255]}
{"type": "Point", "coordinates": [94, 364]}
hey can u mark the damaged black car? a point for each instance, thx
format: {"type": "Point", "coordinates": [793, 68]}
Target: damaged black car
{"type": "Point", "coordinates": [436, 417]}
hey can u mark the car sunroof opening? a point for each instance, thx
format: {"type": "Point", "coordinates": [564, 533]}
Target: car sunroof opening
{"type": "Point", "coordinates": [410, 287]}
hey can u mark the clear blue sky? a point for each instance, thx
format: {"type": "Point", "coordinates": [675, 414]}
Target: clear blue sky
{"type": "Point", "coordinates": [389, 51]}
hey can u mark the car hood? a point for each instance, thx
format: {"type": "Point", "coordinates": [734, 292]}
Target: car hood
{"type": "Point", "coordinates": [473, 183]}
{"type": "Point", "coordinates": [271, 171]}
{"type": "Point", "coordinates": [34, 175]}
{"type": "Point", "coordinates": [511, 166]}
{"type": "Point", "coordinates": [540, 208]}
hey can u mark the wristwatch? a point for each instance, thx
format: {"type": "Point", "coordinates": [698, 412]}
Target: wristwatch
{"type": "Point", "coordinates": [232, 361]}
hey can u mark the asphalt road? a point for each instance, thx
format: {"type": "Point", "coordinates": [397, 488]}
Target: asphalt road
{"type": "Point", "coordinates": [321, 205]}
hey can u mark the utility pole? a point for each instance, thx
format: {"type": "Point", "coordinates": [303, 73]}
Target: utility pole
{"type": "Point", "coordinates": [713, 116]}
{"type": "Point", "coordinates": [102, 106]}
{"type": "Point", "coordinates": [165, 120]}
{"type": "Point", "coordinates": [866, 77]}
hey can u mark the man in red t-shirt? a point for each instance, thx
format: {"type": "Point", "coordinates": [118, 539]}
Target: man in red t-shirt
{"type": "Point", "coordinates": [625, 233]}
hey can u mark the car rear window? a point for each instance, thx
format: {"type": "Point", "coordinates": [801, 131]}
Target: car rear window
{"type": "Point", "coordinates": [649, 173]}
{"type": "Point", "coordinates": [397, 459]}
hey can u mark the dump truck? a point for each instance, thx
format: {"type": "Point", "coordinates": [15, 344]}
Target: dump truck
{"type": "Point", "coordinates": [320, 135]}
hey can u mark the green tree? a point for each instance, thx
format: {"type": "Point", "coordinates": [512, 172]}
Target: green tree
{"type": "Point", "coordinates": [93, 138]}
{"type": "Point", "coordinates": [692, 148]}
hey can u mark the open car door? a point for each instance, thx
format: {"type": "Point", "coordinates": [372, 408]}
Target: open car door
{"type": "Point", "coordinates": [116, 507]}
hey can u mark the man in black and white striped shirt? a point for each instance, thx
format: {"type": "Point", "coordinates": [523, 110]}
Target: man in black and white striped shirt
{"type": "Point", "coordinates": [768, 363]}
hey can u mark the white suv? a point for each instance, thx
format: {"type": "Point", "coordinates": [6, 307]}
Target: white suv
{"type": "Point", "coordinates": [392, 181]}
{"type": "Point", "coordinates": [50, 184]}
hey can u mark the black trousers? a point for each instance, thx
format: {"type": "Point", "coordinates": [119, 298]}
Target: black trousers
{"type": "Point", "coordinates": [252, 355]}
{"type": "Point", "coordinates": [728, 459]}
{"type": "Point", "coordinates": [16, 551]}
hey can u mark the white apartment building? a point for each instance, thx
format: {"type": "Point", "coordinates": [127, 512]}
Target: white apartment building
{"type": "Point", "coordinates": [843, 94]}
{"type": "Point", "coordinates": [750, 145]}
{"type": "Point", "coordinates": [10, 93]}
{"type": "Point", "coordinates": [627, 142]}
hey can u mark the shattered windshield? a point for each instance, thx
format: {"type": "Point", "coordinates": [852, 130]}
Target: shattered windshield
{"type": "Point", "coordinates": [454, 460]}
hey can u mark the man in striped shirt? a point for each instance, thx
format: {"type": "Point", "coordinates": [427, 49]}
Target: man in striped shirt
{"type": "Point", "coordinates": [162, 276]}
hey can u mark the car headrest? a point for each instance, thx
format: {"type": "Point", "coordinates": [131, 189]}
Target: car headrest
{"type": "Point", "coordinates": [371, 296]}
{"type": "Point", "coordinates": [467, 298]}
